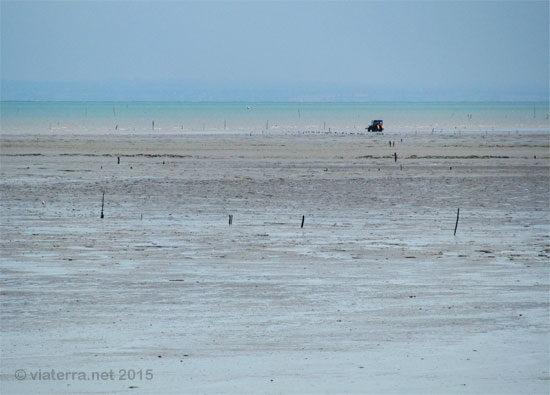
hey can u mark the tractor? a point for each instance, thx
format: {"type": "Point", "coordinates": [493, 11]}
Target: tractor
{"type": "Point", "coordinates": [376, 126]}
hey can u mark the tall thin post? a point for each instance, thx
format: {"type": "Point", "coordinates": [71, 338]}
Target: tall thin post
{"type": "Point", "coordinates": [456, 224]}
{"type": "Point", "coordinates": [102, 204]}
{"type": "Point", "coordinates": [303, 218]}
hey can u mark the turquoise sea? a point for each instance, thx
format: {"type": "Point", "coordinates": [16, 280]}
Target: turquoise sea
{"type": "Point", "coordinates": [141, 117]}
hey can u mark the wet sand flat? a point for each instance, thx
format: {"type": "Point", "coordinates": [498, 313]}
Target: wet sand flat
{"type": "Point", "coordinates": [373, 294]}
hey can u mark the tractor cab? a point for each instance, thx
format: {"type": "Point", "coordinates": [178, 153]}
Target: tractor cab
{"type": "Point", "coordinates": [376, 126]}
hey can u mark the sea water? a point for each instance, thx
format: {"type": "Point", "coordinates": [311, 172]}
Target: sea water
{"type": "Point", "coordinates": [181, 117]}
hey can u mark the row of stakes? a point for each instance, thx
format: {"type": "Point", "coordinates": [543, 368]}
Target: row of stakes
{"type": "Point", "coordinates": [301, 225]}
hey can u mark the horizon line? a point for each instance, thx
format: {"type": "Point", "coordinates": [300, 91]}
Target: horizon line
{"type": "Point", "coordinates": [279, 101]}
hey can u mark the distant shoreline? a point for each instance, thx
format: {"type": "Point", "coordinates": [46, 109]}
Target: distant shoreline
{"type": "Point", "coordinates": [270, 117]}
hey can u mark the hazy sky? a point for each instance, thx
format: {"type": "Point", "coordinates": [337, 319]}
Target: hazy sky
{"type": "Point", "coordinates": [361, 50]}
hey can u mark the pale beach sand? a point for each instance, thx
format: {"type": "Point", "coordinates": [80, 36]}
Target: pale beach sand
{"type": "Point", "coordinates": [374, 294]}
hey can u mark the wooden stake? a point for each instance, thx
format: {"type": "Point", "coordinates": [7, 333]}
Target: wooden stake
{"type": "Point", "coordinates": [230, 219]}
{"type": "Point", "coordinates": [102, 204]}
{"type": "Point", "coordinates": [303, 218]}
{"type": "Point", "coordinates": [456, 224]}
{"type": "Point", "coordinates": [118, 158]}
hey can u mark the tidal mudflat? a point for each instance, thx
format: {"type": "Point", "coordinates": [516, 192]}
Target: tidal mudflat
{"type": "Point", "coordinates": [373, 294]}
